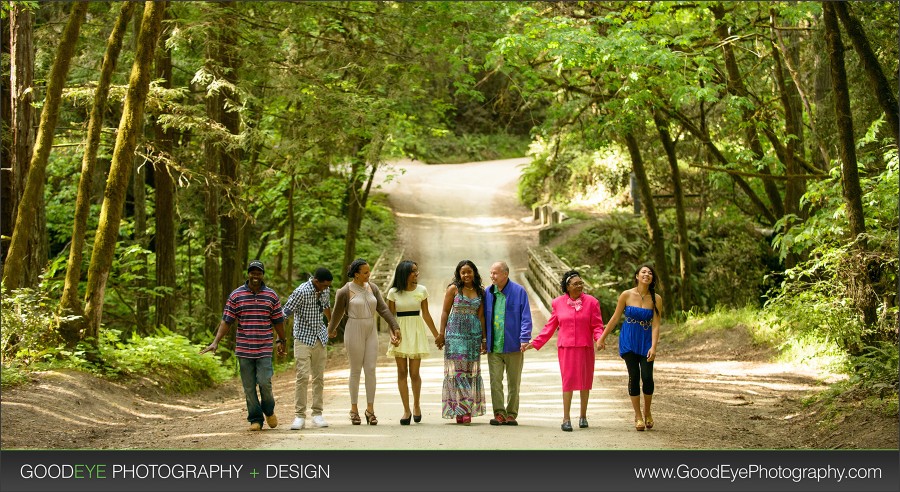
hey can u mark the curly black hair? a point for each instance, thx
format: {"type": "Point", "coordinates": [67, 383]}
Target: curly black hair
{"type": "Point", "coordinates": [457, 280]}
{"type": "Point", "coordinates": [564, 283]}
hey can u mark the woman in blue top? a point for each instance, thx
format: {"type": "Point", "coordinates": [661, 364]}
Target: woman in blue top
{"type": "Point", "coordinates": [637, 339]}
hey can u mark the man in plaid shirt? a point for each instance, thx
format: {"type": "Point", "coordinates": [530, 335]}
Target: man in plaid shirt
{"type": "Point", "coordinates": [308, 303]}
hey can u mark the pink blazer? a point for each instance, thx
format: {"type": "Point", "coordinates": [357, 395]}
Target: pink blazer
{"type": "Point", "coordinates": [576, 329]}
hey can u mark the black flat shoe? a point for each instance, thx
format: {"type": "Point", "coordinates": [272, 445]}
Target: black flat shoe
{"type": "Point", "coordinates": [417, 418]}
{"type": "Point", "coordinates": [567, 426]}
{"type": "Point", "coordinates": [582, 423]}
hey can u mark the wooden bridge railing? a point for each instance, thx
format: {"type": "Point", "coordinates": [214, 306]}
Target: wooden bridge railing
{"type": "Point", "coordinates": [383, 273]}
{"type": "Point", "coordinates": [545, 270]}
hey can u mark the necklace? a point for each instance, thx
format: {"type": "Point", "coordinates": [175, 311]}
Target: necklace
{"type": "Point", "coordinates": [642, 296]}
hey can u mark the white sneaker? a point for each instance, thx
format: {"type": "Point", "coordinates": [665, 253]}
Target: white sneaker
{"type": "Point", "coordinates": [319, 421]}
{"type": "Point", "coordinates": [299, 423]}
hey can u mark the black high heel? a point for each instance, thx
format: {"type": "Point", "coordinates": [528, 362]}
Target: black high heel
{"type": "Point", "coordinates": [405, 421]}
{"type": "Point", "coordinates": [417, 418]}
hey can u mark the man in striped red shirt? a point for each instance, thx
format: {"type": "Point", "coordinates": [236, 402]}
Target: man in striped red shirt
{"type": "Point", "coordinates": [257, 310]}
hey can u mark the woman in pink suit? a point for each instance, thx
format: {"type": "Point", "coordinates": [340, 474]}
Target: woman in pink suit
{"type": "Point", "coordinates": [577, 316]}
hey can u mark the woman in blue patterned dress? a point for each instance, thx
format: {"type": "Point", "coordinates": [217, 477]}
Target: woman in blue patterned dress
{"type": "Point", "coordinates": [463, 338]}
{"type": "Point", "coordinates": [637, 340]}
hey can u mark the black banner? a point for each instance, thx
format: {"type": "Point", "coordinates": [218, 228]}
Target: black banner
{"type": "Point", "coordinates": [371, 471]}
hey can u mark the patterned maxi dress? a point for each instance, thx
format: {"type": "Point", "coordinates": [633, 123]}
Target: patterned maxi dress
{"type": "Point", "coordinates": [463, 388]}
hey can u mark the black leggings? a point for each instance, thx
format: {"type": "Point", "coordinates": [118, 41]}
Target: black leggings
{"type": "Point", "coordinates": [639, 370]}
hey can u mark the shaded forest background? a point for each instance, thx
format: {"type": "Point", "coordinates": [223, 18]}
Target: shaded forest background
{"type": "Point", "coordinates": [150, 150]}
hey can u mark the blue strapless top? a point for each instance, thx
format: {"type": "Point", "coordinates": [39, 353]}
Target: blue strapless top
{"type": "Point", "coordinates": [637, 331]}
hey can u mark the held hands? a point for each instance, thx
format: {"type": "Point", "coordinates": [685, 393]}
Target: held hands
{"type": "Point", "coordinates": [600, 344]}
{"type": "Point", "coordinates": [395, 338]}
{"type": "Point", "coordinates": [527, 346]}
{"type": "Point", "coordinates": [439, 342]}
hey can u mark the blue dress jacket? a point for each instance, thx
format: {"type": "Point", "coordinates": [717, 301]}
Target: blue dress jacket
{"type": "Point", "coordinates": [517, 325]}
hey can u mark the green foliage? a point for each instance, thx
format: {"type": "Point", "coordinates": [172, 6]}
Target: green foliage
{"type": "Point", "coordinates": [169, 359]}
{"type": "Point", "coordinates": [731, 260]}
{"type": "Point", "coordinates": [28, 327]}
{"type": "Point", "coordinates": [610, 250]}
{"type": "Point", "coordinates": [562, 171]}
{"type": "Point", "coordinates": [822, 293]}
{"type": "Point", "coordinates": [30, 342]}
{"type": "Point", "coordinates": [876, 369]}
{"type": "Point", "coordinates": [449, 148]}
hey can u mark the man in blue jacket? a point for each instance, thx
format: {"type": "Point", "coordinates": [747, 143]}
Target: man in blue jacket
{"type": "Point", "coordinates": [507, 314]}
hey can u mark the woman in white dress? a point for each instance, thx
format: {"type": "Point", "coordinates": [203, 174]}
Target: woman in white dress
{"type": "Point", "coordinates": [408, 301]}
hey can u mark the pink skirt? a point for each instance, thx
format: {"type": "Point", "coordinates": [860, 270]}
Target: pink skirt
{"type": "Point", "coordinates": [576, 366]}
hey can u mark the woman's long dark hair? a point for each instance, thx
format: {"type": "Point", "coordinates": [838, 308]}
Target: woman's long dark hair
{"type": "Point", "coordinates": [402, 273]}
{"type": "Point", "coordinates": [564, 283]}
{"type": "Point", "coordinates": [457, 281]}
{"type": "Point", "coordinates": [355, 266]}
{"type": "Point", "coordinates": [652, 284]}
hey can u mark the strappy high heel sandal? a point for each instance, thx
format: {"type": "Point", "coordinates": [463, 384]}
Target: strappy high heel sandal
{"type": "Point", "coordinates": [354, 418]}
{"type": "Point", "coordinates": [639, 424]}
{"type": "Point", "coordinates": [649, 423]}
{"type": "Point", "coordinates": [370, 418]}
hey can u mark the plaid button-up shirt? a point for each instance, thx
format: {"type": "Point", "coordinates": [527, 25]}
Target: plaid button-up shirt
{"type": "Point", "coordinates": [308, 308]}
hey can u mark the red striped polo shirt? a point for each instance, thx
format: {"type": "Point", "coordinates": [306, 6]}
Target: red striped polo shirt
{"type": "Point", "coordinates": [256, 314]}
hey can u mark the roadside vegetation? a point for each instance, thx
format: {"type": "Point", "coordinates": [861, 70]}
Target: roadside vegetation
{"type": "Point", "coordinates": [154, 149]}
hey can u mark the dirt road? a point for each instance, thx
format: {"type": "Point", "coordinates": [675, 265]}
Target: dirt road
{"type": "Point", "coordinates": [712, 393]}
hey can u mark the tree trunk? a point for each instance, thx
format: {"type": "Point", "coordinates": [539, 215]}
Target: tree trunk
{"type": "Point", "coordinates": [165, 204]}
{"type": "Point", "coordinates": [657, 241]}
{"type": "Point", "coordinates": [850, 186]}
{"type": "Point", "coordinates": [27, 251]}
{"type": "Point", "coordinates": [736, 87]}
{"type": "Point", "coordinates": [70, 302]}
{"type": "Point", "coordinates": [685, 258]}
{"type": "Point", "coordinates": [290, 248]}
{"type": "Point", "coordinates": [141, 283]}
{"type": "Point", "coordinates": [794, 187]}
{"type": "Point", "coordinates": [120, 169]}
{"type": "Point", "coordinates": [21, 117]}
{"type": "Point", "coordinates": [354, 213]}
{"type": "Point", "coordinates": [212, 280]}
{"type": "Point", "coordinates": [883, 90]}
{"type": "Point", "coordinates": [355, 203]}
{"type": "Point", "coordinates": [227, 65]}
{"type": "Point", "coordinates": [846, 143]}
{"type": "Point", "coordinates": [791, 62]}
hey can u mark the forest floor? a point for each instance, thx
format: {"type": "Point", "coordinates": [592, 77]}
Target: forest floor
{"type": "Point", "coordinates": [714, 391]}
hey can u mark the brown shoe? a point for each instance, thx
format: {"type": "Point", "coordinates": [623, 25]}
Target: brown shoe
{"type": "Point", "coordinates": [498, 419]}
{"type": "Point", "coordinates": [272, 420]}
{"type": "Point", "coordinates": [511, 421]}
{"type": "Point", "coordinates": [256, 426]}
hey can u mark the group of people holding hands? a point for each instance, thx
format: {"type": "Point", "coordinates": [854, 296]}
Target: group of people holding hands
{"type": "Point", "coordinates": [474, 321]}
